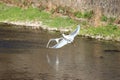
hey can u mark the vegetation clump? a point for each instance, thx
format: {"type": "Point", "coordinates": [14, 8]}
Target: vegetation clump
{"type": "Point", "coordinates": [86, 14]}
{"type": "Point", "coordinates": [108, 19]}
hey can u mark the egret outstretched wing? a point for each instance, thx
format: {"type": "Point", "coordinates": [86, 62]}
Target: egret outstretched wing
{"type": "Point", "coordinates": [72, 35]}
{"type": "Point", "coordinates": [75, 32]}
{"type": "Point", "coordinates": [60, 44]}
{"type": "Point", "coordinates": [56, 39]}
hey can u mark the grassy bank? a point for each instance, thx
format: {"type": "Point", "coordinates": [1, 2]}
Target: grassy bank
{"type": "Point", "coordinates": [11, 13]}
{"type": "Point", "coordinates": [33, 14]}
{"type": "Point", "coordinates": [108, 32]}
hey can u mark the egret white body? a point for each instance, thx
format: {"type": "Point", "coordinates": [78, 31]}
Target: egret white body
{"type": "Point", "coordinates": [65, 39]}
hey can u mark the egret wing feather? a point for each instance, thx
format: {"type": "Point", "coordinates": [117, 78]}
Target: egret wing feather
{"type": "Point", "coordinates": [75, 32]}
{"type": "Point", "coordinates": [60, 44]}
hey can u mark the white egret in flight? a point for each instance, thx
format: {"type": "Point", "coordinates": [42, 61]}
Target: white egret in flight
{"type": "Point", "coordinates": [65, 39]}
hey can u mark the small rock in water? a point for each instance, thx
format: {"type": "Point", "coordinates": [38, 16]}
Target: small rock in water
{"type": "Point", "coordinates": [112, 51]}
{"type": "Point", "coordinates": [101, 57]}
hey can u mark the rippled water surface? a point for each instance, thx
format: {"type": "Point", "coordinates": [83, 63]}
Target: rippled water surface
{"type": "Point", "coordinates": [24, 56]}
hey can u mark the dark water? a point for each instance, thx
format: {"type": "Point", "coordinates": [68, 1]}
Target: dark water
{"type": "Point", "coordinates": [24, 56]}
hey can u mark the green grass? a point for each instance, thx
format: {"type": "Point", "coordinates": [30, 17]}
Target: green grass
{"type": "Point", "coordinates": [16, 13]}
{"type": "Point", "coordinates": [31, 14]}
{"type": "Point", "coordinates": [109, 30]}
{"type": "Point", "coordinates": [60, 22]}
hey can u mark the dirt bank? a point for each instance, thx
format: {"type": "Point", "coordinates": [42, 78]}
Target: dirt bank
{"type": "Point", "coordinates": [35, 25]}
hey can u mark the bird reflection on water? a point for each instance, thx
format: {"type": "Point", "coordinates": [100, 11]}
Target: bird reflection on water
{"type": "Point", "coordinates": [53, 60]}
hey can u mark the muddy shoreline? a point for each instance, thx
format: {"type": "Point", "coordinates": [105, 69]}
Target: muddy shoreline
{"type": "Point", "coordinates": [36, 25]}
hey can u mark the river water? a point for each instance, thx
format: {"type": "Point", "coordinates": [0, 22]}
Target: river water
{"type": "Point", "coordinates": [24, 56]}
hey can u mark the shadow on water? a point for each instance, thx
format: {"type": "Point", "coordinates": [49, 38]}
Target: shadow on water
{"type": "Point", "coordinates": [24, 56]}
